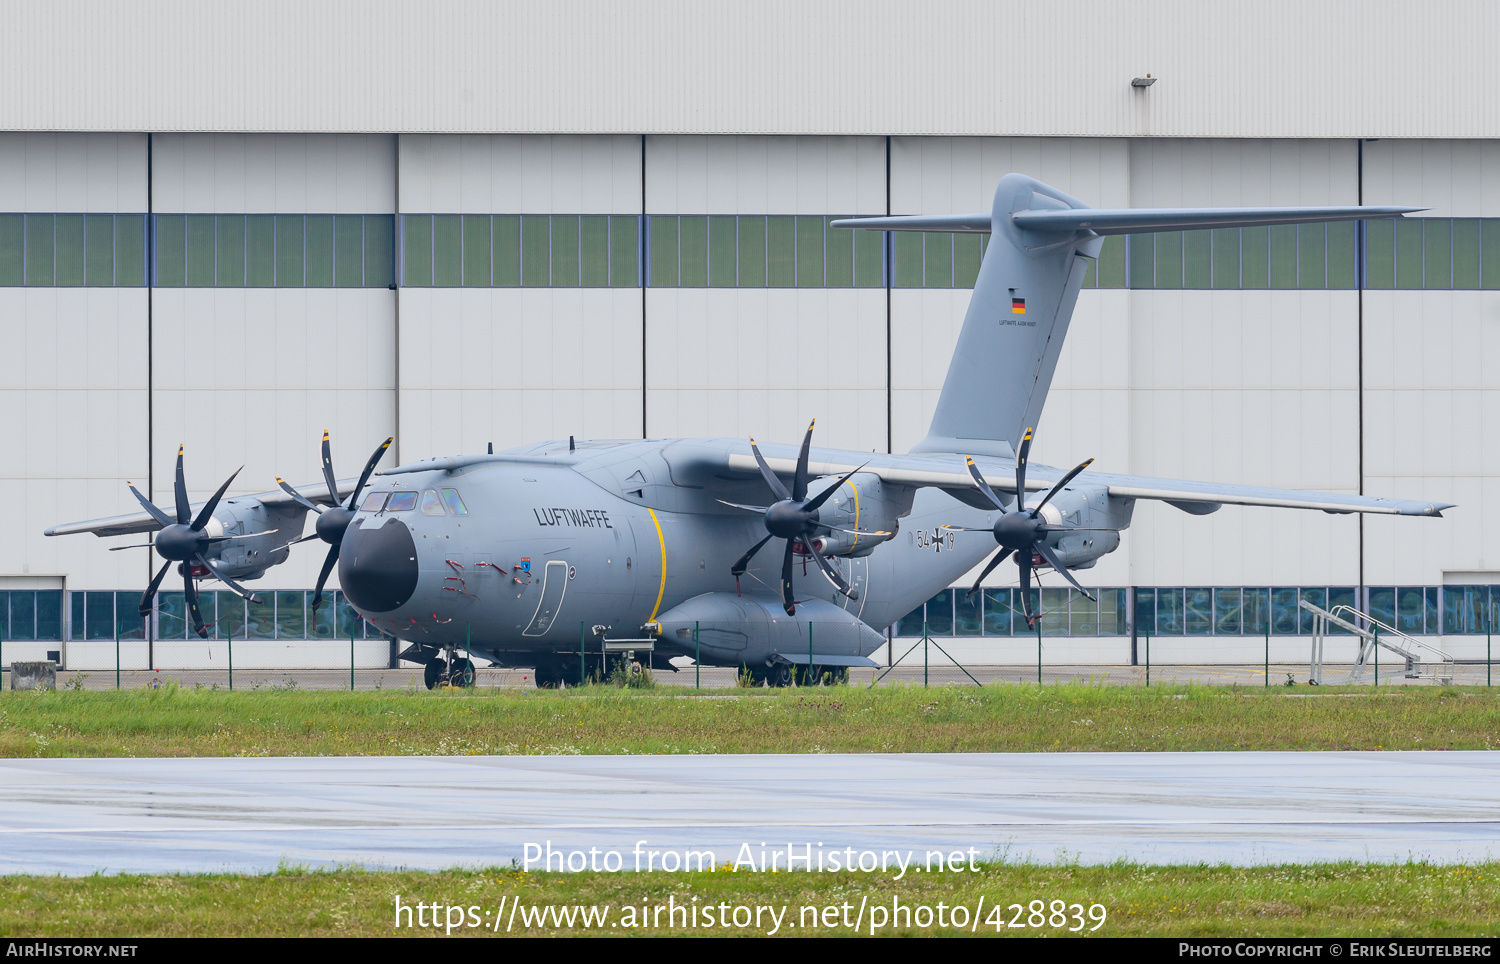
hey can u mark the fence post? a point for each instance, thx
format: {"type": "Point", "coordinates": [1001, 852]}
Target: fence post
{"type": "Point", "coordinates": [924, 650]}
{"type": "Point", "coordinates": [1377, 655]}
{"type": "Point", "coordinates": [582, 654]}
{"type": "Point", "coordinates": [117, 654]}
{"type": "Point", "coordinates": [697, 659]}
{"type": "Point", "coordinates": [231, 650]}
{"type": "Point", "coordinates": [1489, 621]}
{"type": "Point", "coordinates": [809, 675]}
{"type": "Point", "coordinates": [1148, 657]}
{"type": "Point", "coordinates": [1038, 623]}
{"type": "Point", "coordinates": [1268, 654]}
{"type": "Point", "coordinates": [351, 659]}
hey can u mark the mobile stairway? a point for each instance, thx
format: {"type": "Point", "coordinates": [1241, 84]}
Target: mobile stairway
{"type": "Point", "coordinates": [1420, 658]}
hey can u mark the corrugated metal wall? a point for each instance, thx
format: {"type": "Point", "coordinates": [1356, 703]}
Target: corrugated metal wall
{"type": "Point", "coordinates": [1276, 68]}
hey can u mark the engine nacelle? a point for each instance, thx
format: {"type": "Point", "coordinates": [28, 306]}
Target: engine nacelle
{"type": "Point", "coordinates": [864, 503]}
{"type": "Point", "coordinates": [269, 529]}
{"type": "Point", "coordinates": [1086, 507]}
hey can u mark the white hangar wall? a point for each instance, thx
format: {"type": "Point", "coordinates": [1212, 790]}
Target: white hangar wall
{"type": "Point", "coordinates": [1257, 386]}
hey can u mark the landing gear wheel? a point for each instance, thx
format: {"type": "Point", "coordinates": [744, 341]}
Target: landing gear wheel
{"type": "Point", "coordinates": [780, 675]}
{"type": "Point", "coordinates": [552, 674]}
{"type": "Point", "coordinates": [461, 674]}
{"type": "Point", "coordinates": [434, 673]}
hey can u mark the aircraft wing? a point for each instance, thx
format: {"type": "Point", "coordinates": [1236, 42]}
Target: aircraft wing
{"type": "Point", "coordinates": [136, 522]}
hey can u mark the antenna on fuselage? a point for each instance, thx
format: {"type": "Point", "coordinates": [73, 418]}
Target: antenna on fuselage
{"type": "Point", "coordinates": [492, 448]}
{"type": "Point", "coordinates": [570, 443]}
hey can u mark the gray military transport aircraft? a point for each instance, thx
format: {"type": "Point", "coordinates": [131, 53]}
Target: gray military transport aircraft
{"type": "Point", "coordinates": [542, 555]}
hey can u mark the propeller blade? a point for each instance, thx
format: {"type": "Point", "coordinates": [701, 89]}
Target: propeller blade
{"type": "Point", "coordinates": [190, 592]}
{"type": "Point", "coordinates": [241, 590]}
{"type": "Point", "coordinates": [285, 545]}
{"type": "Point", "coordinates": [155, 513]}
{"type": "Point", "coordinates": [983, 485]}
{"type": "Point", "coordinates": [144, 545]}
{"type": "Point", "coordinates": [1052, 528]}
{"type": "Point", "coordinates": [301, 499]}
{"type": "Point", "coordinates": [787, 602]}
{"type": "Point", "coordinates": [1021, 457]}
{"type": "Point", "coordinates": [858, 532]}
{"type": "Point", "coordinates": [995, 560]}
{"type": "Point", "coordinates": [1047, 554]}
{"type": "Point", "coordinates": [766, 473]}
{"type": "Point", "coordinates": [206, 513]}
{"type": "Point", "coordinates": [799, 480]}
{"type": "Point", "coordinates": [333, 487]}
{"type": "Point", "coordinates": [145, 607]}
{"type": "Point", "coordinates": [1023, 562]}
{"type": "Point", "coordinates": [749, 508]}
{"type": "Point", "coordinates": [328, 561]}
{"type": "Point", "coordinates": [184, 510]}
{"type": "Point", "coordinates": [364, 476]}
{"type": "Point", "coordinates": [248, 535]}
{"type": "Point", "coordinates": [965, 529]}
{"type": "Point", "coordinates": [834, 577]}
{"type": "Point", "coordinates": [823, 496]}
{"type": "Point", "coordinates": [1059, 486]}
{"type": "Point", "coordinates": [738, 569]}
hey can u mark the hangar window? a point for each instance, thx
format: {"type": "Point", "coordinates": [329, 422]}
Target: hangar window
{"type": "Point", "coordinates": [273, 250]}
{"type": "Point", "coordinates": [760, 251]}
{"type": "Point", "coordinates": [401, 502]}
{"type": "Point", "coordinates": [512, 250]}
{"type": "Point", "coordinates": [374, 502]}
{"type": "Point", "coordinates": [454, 502]}
{"type": "Point", "coordinates": [431, 504]}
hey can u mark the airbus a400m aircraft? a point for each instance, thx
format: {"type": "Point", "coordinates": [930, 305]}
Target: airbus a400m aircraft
{"type": "Point", "coordinates": [539, 555]}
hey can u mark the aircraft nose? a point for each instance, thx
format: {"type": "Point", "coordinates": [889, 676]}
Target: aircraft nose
{"type": "Point", "coordinates": [378, 567]}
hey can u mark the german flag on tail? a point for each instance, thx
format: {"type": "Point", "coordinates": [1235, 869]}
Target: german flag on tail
{"type": "Point", "coordinates": [1018, 306]}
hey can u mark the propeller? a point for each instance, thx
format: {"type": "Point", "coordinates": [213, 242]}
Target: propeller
{"type": "Point", "coordinates": [333, 521]}
{"type": "Point", "coordinates": [182, 539]}
{"type": "Point", "coordinates": [1021, 530]}
{"type": "Point", "coordinates": [793, 517]}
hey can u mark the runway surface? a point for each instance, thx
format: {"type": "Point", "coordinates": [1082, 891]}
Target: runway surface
{"type": "Point", "coordinates": [209, 815]}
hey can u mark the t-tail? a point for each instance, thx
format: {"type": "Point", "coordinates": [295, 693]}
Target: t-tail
{"type": "Point", "coordinates": [1041, 243]}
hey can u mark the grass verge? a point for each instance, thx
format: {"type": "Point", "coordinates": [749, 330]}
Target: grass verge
{"type": "Point", "coordinates": [173, 721]}
{"type": "Point", "coordinates": [1353, 900]}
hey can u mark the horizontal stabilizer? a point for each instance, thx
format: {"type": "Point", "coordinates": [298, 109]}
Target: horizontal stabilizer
{"type": "Point", "coordinates": [978, 223]}
{"type": "Point", "coordinates": [1126, 220]}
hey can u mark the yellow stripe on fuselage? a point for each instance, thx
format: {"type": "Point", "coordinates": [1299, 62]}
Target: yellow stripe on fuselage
{"type": "Point", "coordinates": [662, 589]}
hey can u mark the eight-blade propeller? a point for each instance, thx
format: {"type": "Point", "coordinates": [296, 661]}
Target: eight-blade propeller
{"type": "Point", "coordinates": [333, 522]}
{"type": "Point", "coordinates": [1022, 530]}
{"type": "Point", "coordinates": [794, 517]}
{"type": "Point", "coordinates": [183, 540]}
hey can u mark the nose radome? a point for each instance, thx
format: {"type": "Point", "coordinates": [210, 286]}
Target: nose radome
{"type": "Point", "coordinates": [378, 567]}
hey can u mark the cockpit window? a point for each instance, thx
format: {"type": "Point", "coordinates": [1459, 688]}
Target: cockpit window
{"type": "Point", "coordinates": [373, 502]}
{"type": "Point", "coordinates": [431, 504]}
{"type": "Point", "coordinates": [402, 502]}
{"type": "Point", "coordinates": [454, 503]}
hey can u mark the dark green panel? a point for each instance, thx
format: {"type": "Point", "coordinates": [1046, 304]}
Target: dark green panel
{"type": "Point", "coordinates": [593, 248]}
{"type": "Point", "coordinates": [70, 249]}
{"type": "Point", "coordinates": [1142, 260]}
{"type": "Point", "coordinates": [811, 259]}
{"type": "Point", "coordinates": [1312, 251]}
{"type": "Point", "coordinates": [908, 258]}
{"type": "Point", "coordinates": [838, 255]}
{"type": "Point", "coordinates": [170, 230]}
{"type": "Point", "coordinates": [966, 260]}
{"type": "Point", "coordinates": [662, 238]}
{"type": "Point", "coordinates": [1169, 259]}
{"type": "Point", "coordinates": [39, 240]}
{"type": "Point", "coordinates": [722, 257]}
{"type": "Point", "coordinates": [1341, 254]}
{"type": "Point", "coordinates": [1409, 253]}
{"type": "Point", "coordinates": [752, 245]}
{"type": "Point", "coordinates": [230, 239]}
{"type": "Point", "coordinates": [348, 250]}
{"type": "Point", "coordinates": [1283, 256]}
{"type": "Point", "coordinates": [536, 250]}
{"type": "Point", "coordinates": [130, 250]}
{"type": "Point", "coordinates": [1255, 258]}
{"type": "Point", "coordinates": [447, 250]}
{"type": "Point", "coordinates": [416, 250]}
{"type": "Point", "coordinates": [781, 252]}
{"type": "Point", "coordinates": [99, 260]}
{"type": "Point", "coordinates": [478, 258]}
{"type": "Point", "coordinates": [290, 264]}
{"type": "Point", "coordinates": [694, 241]}
{"type": "Point", "coordinates": [505, 234]}
{"type": "Point", "coordinates": [1489, 252]}
{"type": "Point", "coordinates": [260, 251]}
{"type": "Point", "coordinates": [1111, 261]}
{"type": "Point", "coordinates": [1437, 253]}
{"type": "Point", "coordinates": [937, 259]}
{"type": "Point", "coordinates": [379, 250]}
{"type": "Point", "coordinates": [625, 250]}
{"type": "Point", "coordinates": [200, 250]}
{"type": "Point", "coordinates": [1466, 253]}
{"type": "Point", "coordinates": [869, 254]}
{"type": "Point", "coordinates": [12, 249]}
{"type": "Point", "coordinates": [564, 250]}
{"type": "Point", "coordinates": [1226, 245]}
{"type": "Point", "coordinates": [1197, 259]}
{"type": "Point", "coordinates": [318, 258]}
{"type": "Point", "coordinates": [1380, 253]}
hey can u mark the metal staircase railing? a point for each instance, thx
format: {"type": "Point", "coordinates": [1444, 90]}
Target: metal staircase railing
{"type": "Point", "coordinates": [1421, 658]}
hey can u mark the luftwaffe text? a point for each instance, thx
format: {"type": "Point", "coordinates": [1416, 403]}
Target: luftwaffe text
{"type": "Point", "coordinates": [573, 518]}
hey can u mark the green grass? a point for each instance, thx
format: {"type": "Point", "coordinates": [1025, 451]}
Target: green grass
{"type": "Point", "coordinates": [181, 722]}
{"type": "Point", "coordinates": [1354, 900]}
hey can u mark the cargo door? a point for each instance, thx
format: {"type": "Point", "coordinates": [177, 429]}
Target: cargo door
{"type": "Point", "coordinates": [554, 588]}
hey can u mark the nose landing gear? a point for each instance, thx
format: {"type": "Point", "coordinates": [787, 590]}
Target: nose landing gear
{"type": "Point", "coordinates": [449, 670]}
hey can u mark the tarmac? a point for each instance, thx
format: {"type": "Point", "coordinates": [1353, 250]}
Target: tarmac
{"type": "Point", "coordinates": [80, 816]}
